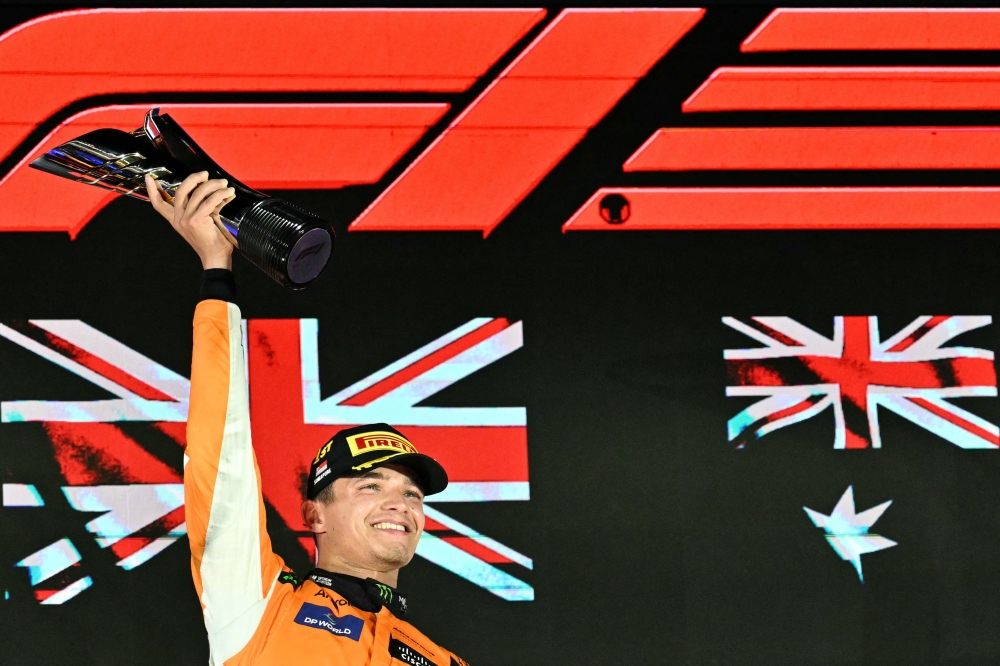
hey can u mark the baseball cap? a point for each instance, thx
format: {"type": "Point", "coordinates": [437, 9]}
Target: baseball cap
{"type": "Point", "coordinates": [356, 450]}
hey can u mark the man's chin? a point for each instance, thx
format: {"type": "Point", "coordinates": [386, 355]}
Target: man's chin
{"type": "Point", "coordinates": [396, 557]}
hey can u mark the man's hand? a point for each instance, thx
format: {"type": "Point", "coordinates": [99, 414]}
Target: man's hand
{"type": "Point", "coordinates": [193, 213]}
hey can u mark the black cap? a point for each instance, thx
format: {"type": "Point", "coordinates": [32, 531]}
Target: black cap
{"type": "Point", "coordinates": [357, 450]}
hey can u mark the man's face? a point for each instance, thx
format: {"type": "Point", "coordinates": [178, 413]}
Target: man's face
{"type": "Point", "coordinates": [375, 519]}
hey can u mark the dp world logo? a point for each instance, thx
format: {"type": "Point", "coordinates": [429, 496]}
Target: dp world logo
{"type": "Point", "coordinates": [321, 617]}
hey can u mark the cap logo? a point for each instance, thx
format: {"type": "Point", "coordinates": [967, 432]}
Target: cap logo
{"type": "Point", "coordinates": [379, 441]}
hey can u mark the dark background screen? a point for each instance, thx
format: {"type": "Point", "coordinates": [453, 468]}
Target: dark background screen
{"type": "Point", "coordinates": [653, 535]}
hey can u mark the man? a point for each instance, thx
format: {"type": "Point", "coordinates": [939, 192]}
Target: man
{"type": "Point", "coordinates": [364, 501]}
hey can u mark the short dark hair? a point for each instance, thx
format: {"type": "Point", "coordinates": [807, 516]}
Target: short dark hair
{"type": "Point", "coordinates": [326, 495]}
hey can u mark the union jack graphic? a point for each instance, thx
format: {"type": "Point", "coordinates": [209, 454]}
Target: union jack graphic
{"type": "Point", "coordinates": [109, 470]}
{"type": "Point", "coordinates": [800, 373]}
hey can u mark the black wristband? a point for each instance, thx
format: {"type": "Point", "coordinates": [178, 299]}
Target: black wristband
{"type": "Point", "coordinates": [218, 284]}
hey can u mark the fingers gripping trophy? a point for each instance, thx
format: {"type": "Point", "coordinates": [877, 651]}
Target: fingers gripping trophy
{"type": "Point", "coordinates": [194, 212]}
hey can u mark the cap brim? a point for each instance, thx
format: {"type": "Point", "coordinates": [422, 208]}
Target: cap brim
{"type": "Point", "coordinates": [433, 478]}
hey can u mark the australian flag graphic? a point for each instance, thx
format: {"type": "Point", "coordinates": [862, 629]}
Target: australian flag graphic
{"type": "Point", "coordinates": [798, 373]}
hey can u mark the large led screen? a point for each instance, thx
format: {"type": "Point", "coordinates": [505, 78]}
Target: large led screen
{"type": "Point", "coordinates": [695, 305]}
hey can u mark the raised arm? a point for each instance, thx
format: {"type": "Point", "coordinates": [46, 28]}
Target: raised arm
{"type": "Point", "coordinates": [232, 563]}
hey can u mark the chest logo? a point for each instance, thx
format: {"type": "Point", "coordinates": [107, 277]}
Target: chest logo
{"type": "Point", "coordinates": [407, 654]}
{"type": "Point", "coordinates": [321, 617]}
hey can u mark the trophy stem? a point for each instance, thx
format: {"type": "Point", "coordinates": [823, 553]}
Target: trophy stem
{"type": "Point", "coordinates": [229, 229]}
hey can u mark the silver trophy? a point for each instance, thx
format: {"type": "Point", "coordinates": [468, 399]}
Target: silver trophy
{"type": "Point", "coordinates": [291, 245]}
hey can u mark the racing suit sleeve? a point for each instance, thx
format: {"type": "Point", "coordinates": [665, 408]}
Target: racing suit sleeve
{"type": "Point", "coordinates": [232, 562]}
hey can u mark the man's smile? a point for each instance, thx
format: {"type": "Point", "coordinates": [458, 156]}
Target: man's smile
{"type": "Point", "coordinates": [390, 526]}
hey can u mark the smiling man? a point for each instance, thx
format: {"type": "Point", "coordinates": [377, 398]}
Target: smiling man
{"type": "Point", "coordinates": [364, 501]}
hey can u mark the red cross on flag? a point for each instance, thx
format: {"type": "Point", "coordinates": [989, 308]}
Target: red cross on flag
{"type": "Point", "coordinates": [799, 373]}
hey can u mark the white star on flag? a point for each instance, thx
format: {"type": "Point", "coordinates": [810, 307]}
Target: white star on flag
{"type": "Point", "coordinates": [847, 531]}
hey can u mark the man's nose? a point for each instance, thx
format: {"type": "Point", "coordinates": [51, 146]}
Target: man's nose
{"type": "Point", "coordinates": [394, 501]}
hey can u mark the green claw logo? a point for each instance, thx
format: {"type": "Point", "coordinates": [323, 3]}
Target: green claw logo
{"type": "Point", "coordinates": [385, 592]}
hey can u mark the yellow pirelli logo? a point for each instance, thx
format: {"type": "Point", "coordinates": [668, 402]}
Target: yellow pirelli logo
{"type": "Point", "coordinates": [376, 441]}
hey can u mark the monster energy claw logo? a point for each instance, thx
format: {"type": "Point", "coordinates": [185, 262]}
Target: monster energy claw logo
{"type": "Point", "coordinates": [385, 592]}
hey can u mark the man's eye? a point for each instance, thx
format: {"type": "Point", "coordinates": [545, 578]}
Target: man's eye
{"type": "Point", "coordinates": [372, 486]}
{"type": "Point", "coordinates": [414, 495]}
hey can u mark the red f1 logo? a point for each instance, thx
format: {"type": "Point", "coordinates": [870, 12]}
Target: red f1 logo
{"type": "Point", "coordinates": [480, 157]}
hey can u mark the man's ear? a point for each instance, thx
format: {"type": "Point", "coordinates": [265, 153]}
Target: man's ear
{"type": "Point", "coordinates": [312, 517]}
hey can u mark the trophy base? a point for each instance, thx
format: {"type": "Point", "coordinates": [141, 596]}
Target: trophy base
{"type": "Point", "coordinates": [309, 256]}
{"type": "Point", "coordinates": [291, 245]}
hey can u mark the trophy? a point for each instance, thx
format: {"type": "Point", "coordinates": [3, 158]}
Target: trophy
{"type": "Point", "coordinates": [291, 245]}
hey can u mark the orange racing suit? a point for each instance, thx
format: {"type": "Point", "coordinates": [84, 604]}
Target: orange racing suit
{"type": "Point", "coordinates": [256, 611]}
